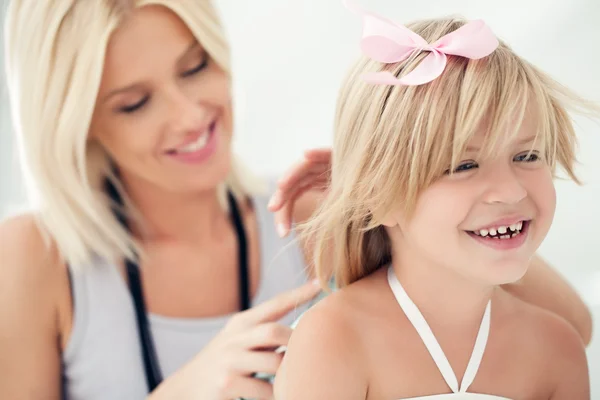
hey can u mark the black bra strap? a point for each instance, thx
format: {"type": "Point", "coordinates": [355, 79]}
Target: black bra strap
{"type": "Point", "coordinates": [151, 364]}
{"type": "Point", "coordinates": [243, 265]}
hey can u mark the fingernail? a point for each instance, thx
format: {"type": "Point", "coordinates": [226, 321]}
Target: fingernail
{"type": "Point", "coordinates": [281, 349]}
{"type": "Point", "coordinates": [274, 199]}
{"type": "Point", "coordinates": [316, 282]}
{"type": "Point", "coordinates": [282, 230]}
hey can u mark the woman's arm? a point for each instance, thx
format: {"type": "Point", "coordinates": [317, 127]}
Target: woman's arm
{"type": "Point", "coordinates": [30, 288]}
{"type": "Point", "coordinates": [543, 286]}
{"type": "Point", "coordinates": [566, 359]}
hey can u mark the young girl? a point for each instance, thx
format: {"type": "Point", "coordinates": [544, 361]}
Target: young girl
{"type": "Point", "coordinates": [445, 150]}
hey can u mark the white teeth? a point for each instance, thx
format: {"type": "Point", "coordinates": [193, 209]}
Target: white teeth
{"type": "Point", "coordinates": [196, 145]}
{"type": "Point", "coordinates": [501, 232]}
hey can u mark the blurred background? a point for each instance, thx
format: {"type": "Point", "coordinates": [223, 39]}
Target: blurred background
{"type": "Point", "coordinates": [289, 59]}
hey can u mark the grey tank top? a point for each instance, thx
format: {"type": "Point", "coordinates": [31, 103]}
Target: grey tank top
{"type": "Point", "coordinates": [103, 357]}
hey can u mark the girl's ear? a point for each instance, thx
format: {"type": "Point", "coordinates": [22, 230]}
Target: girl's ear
{"type": "Point", "coordinates": [390, 220]}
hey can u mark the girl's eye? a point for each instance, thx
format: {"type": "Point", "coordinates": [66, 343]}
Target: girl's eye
{"type": "Point", "coordinates": [465, 166]}
{"type": "Point", "coordinates": [530, 156]}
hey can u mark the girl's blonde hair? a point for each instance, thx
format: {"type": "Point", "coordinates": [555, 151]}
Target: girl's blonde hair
{"type": "Point", "coordinates": [392, 142]}
{"type": "Point", "coordinates": [55, 54]}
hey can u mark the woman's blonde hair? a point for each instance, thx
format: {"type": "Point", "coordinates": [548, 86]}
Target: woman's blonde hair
{"type": "Point", "coordinates": [392, 142]}
{"type": "Point", "coordinates": [55, 54]}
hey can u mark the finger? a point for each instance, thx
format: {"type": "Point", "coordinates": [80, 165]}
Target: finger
{"type": "Point", "coordinates": [249, 388]}
{"type": "Point", "coordinates": [284, 216]}
{"type": "Point", "coordinates": [252, 362]}
{"type": "Point", "coordinates": [277, 307]}
{"type": "Point", "coordinates": [297, 170]}
{"type": "Point", "coordinates": [286, 194]}
{"type": "Point", "coordinates": [284, 188]}
{"type": "Point", "coordinates": [266, 336]}
{"type": "Point", "coordinates": [319, 154]}
{"type": "Point", "coordinates": [318, 180]}
{"type": "Point", "coordinates": [291, 178]}
{"type": "Point", "coordinates": [310, 169]}
{"type": "Point", "coordinates": [316, 160]}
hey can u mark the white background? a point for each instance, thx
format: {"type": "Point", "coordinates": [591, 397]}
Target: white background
{"type": "Point", "coordinates": [289, 59]}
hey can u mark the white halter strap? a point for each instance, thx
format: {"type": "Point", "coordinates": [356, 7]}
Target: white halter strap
{"type": "Point", "coordinates": [424, 331]}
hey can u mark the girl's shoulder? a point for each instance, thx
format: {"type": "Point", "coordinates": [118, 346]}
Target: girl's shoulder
{"type": "Point", "coordinates": [324, 355]}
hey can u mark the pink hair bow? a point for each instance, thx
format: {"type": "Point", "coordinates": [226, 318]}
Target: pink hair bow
{"type": "Point", "coordinates": [387, 42]}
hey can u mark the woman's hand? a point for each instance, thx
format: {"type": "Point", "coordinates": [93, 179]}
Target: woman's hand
{"type": "Point", "coordinates": [224, 369]}
{"type": "Point", "coordinates": [313, 173]}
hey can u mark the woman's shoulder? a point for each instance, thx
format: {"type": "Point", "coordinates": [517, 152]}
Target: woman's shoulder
{"type": "Point", "coordinates": [24, 242]}
{"type": "Point", "coordinates": [34, 295]}
{"type": "Point", "coordinates": [32, 267]}
{"type": "Point", "coordinates": [27, 229]}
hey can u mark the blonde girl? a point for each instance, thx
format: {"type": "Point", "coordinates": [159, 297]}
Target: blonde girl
{"type": "Point", "coordinates": [446, 146]}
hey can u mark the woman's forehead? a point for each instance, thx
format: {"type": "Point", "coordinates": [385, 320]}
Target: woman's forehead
{"type": "Point", "coordinates": [151, 38]}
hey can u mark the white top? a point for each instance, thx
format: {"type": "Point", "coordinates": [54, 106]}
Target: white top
{"type": "Point", "coordinates": [103, 358]}
{"type": "Point", "coordinates": [436, 352]}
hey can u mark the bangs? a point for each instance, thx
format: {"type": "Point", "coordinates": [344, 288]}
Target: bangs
{"type": "Point", "coordinates": [496, 100]}
{"type": "Point", "coordinates": [392, 142]}
{"type": "Point", "coordinates": [410, 136]}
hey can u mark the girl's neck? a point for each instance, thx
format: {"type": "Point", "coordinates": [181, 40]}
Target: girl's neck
{"type": "Point", "coordinates": [447, 299]}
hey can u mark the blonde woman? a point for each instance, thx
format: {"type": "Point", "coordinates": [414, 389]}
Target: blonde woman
{"type": "Point", "coordinates": [150, 247]}
{"type": "Point", "coordinates": [446, 146]}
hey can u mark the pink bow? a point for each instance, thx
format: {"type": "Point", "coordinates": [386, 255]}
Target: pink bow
{"type": "Point", "coordinates": [387, 42]}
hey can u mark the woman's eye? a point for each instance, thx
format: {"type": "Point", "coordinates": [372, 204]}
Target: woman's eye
{"type": "Point", "coordinates": [530, 156]}
{"type": "Point", "coordinates": [134, 107]}
{"type": "Point", "coordinates": [196, 69]}
{"type": "Point", "coordinates": [465, 166]}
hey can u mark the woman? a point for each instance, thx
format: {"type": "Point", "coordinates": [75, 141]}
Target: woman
{"type": "Point", "coordinates": [151, 130]}
{"type": "Point", "coordinates": [123, 110]}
